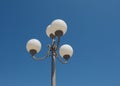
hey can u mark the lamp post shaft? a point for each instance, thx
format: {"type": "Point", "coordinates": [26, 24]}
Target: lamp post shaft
{"type": "Point", "coordinates": [53, 70]}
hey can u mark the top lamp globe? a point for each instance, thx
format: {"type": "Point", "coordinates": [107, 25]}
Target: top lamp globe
{"type": "Point", "coordinates": [33, 46]}
{"type": "Point", "coordinates": [60, 27]}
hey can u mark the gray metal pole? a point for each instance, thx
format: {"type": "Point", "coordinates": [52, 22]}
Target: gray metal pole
{"type": "Point", "coordinates": [53, 71]}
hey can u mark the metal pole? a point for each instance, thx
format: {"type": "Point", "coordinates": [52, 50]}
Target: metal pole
{"type": "Point", "coordinates": [53, 70]}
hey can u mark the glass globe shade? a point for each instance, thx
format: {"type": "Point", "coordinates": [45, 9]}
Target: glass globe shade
{"type": "Point", "coordinates": [59, 24]}
{"type": "Point", "coordinates": [33, 44]}
{"type": "Point", "coordinates": [50, 31]}
{"type": "Point", "coordinates": [66, 50]}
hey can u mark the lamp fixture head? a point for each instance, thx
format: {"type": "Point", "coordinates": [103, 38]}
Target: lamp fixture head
{"type": "Point", "coordinates": [60, 27]}
{"type": "Point", "coordinates": [66, 51]}
{"type": "Point", "coordinates": [57, 28]}
{"type": "Point", "coordinates": [33, 46]}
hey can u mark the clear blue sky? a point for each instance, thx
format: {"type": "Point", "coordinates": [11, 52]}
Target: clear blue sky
{"type": "Point", "coordinates": [93, 32]}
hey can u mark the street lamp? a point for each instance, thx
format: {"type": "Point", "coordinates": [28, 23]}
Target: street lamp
{"type": "Point", "coordinates": [55, 31]}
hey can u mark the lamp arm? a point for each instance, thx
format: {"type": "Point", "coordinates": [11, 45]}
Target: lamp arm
{"type": "Point", "coordinates": [42, 58]}
{"type": "Point", "coordinates": [61, 60]}
{"type": "Point", "coordinates": [58, 42]}
{"type": "Point", "coordinates": [58, 57]}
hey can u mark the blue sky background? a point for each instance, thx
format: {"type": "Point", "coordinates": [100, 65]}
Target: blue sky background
{"type": "Point", "coordinates": [93, 32]}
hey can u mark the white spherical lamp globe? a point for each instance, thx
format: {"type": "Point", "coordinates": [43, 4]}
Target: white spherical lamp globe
{"type": "Point", "coordinates": [59, 25]}
{"type": "Point", "coordinates": [50, 31]}
{"type": "Point", "coordinates": [33, 46]}
{"type": "Point", "coordinates": [66, 51]}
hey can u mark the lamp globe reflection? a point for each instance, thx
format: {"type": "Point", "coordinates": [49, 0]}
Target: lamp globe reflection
{"type": "Point", "coordinates": [54, 31]}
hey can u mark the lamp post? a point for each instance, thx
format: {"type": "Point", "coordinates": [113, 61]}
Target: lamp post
{"type": "Point", "coordinates": [55, 31]}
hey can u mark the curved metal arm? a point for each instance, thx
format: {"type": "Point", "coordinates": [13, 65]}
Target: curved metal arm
{"type": "Point", "coordinates": [58, 57]}
{"type": "Point", "coordinates": [62, 61]}
{"type": "Point", "coordinates": [42, 58]}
